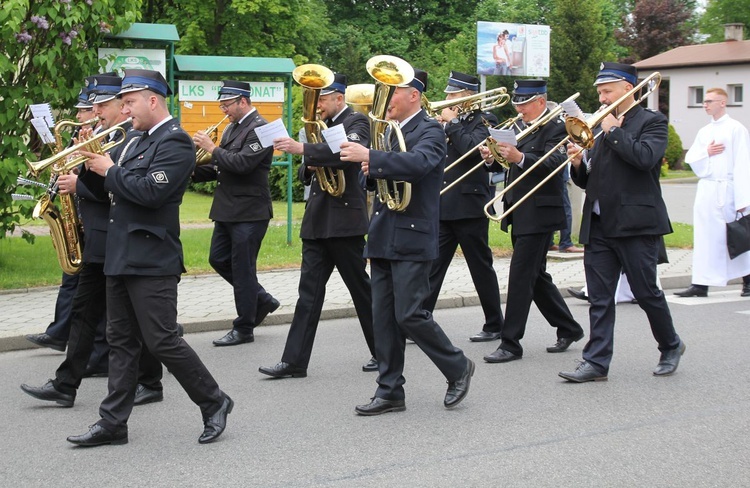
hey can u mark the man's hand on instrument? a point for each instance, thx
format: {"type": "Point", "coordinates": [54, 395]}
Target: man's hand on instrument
{"type": "Point", "coordinates": [575, 154]}
{"type": "Point", "coordinates": [715, 148]}
{"type": "Point", "coordinates": [609, 122]}
{"type": "Point", "coordinates": [203, 141]}
{"type": "Point", "coordinates": [484, 151]}
{"type": "Point", "coordinates": [448, 114]}
{"type": "Point", "coordinates": [509, 153]}
{"type": "Point", "coordinates": [66, 184]}
{"type": "Point", "coordinates": [98, 163]}
{"type": "Point", "coordinates": [288, 145]}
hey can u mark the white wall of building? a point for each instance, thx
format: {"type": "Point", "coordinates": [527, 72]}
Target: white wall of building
{"type": "Point", "coordinates": [688, 118]}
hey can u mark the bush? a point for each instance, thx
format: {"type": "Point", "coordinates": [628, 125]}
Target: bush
{"type": "Point", "coordinates": [277, 180]}
{"type": "Point", "coordinates": [674, 149]}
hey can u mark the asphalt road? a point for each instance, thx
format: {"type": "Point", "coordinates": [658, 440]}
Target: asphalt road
{"type": "Point", "coordinates": [521, 425]}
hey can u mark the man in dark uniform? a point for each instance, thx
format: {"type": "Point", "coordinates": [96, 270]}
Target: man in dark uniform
{"type": "Point", "coordinates": [241, 209]}
{"type": "Point", "coordinates": [144, 261]}
{"type": "Point", "coordinates": [333, 235]}
{"type": "Point", "coordinates": [462, 219]}
{"type": "Point", "coordinates": [401, 246]}
{"type": "Point", "coordinates": [624, 219]}
{"type": "Point", "coordinates": [57, 332]}
{"type": "Point", "coordinates": [532, 225]}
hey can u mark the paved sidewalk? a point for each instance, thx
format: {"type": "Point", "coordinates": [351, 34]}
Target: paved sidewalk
{"type": "Point", "coordinates": [206, 302]}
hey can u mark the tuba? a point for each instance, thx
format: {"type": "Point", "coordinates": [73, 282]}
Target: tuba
{"type": "Point", "coordinates": [389, 73]}
{"type": "Point", "coordinates": [313, 78]}
{"type": "Point", "coordinates": [201, 155]}
{"type": "Point", "coordinates": [359, 97]}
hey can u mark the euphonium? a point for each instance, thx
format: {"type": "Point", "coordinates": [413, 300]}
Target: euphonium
{"type": "Point", "coordinates": [313, 78]}
{"type": "Point", "coordinates": [359, 97]}
{"type": "Point", "coordinates": [389, 73]}
{"type": "Point", "coordinates": [201, 155]}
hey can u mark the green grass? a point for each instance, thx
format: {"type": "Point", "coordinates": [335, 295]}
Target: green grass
{"type": "Point", "coordinates": [674, 174]}
{"type": "Point", "coordinates": [24, 265]}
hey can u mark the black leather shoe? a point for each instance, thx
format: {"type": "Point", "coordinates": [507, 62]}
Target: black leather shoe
{"type": "Point", "coordinates": [216, 423]}
{"type": "Point", "coordinates": [457, 390]}
{"type": "Point", "coordinates": [485, 337]}
{"type": "Point", "coordinates": [745, 290]}
{"type": "Point", "coordinates": [693, 291]}
{"type": "Point", "coordinates": [144, 395]}
{"type": "Point", "coordinates": [234, 337]}
{"type": "Point", "coordinates": [98, 436]}
{"type": "Point", "coordinates": [284, 370]}
{"type": "Point", "coordinates": [578, 293]}
{"type": "Point", "coordinates": [46, 340]}
{"type": "Point", "coordinates": [501, 356]}
{"type": "Point", "coordinates": [265, 309]}
{"type": "Point", "coordinates": [49, 393]}
{"type": "Point", "coordinates": [563, 343]}
{"type": "Point", "coordinates": [669, 360]}
{"type": "Point", "coordinates": [380, 405]}
{"type": "Point", "coordinates": [372, 365]}
{"type": "Point", "coordinates": [585, 371]}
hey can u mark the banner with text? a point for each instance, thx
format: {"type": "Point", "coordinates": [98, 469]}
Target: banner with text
{"type": "Point", "coordinates": [208, 91]}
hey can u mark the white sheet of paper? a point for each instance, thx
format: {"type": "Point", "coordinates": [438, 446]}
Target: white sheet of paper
{"type": "Point", "coordinates": [504, 135]}
{"type": "Point", "coordinates": [41, 127]}
{"type": "Point", "coordinates": [273, 130]}
{"type": "Point", "coordinates": [43, 111]}
{"type": "Point", "coordinates": [334, 137]}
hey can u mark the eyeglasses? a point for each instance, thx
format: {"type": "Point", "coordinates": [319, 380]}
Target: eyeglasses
{"type": "Point", "coordinates": [706, 102]}
{"type": "Point", "coordinates": [225, 107]}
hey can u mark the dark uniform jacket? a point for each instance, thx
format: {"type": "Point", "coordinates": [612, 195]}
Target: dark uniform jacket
{"type": "Point", "coordinates": [625, 167]}
{"type": "Point", "coordinates": [147, 186]}
{"type": "Point", "coordinates": [93, 205]}
{"type": "Point", "coordinates": [240, 167]}
{"type": "Point", "coordinates": [543, 211]}
{"type": "Point", "coordinates": [325, 215]}
{"type": "Point", "coordinates": [468, 198]}
{"type": "Point", "coordinates": [411, 235]}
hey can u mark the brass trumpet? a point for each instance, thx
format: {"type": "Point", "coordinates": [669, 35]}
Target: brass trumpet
{"type": "Point", "coordinates": [581, 132]}
{"type": "Point", "coordinates": [313, 78]}
{"type": "Point", "coordinates": [486, 100]}
{"type": "Point", "coordinates": [201, 155]}
{"type": "Point", "coordinates": [62, 162]}
{"type": "Point", "coordinates": [389, 72]}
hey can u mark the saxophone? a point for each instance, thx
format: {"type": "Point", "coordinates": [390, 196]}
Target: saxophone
{"type": "Point", "coordinates": [64, 225]}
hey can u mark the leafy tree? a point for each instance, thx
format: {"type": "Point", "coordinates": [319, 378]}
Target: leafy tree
{"type": "Point", "coordinates": [259, 28]}
{"type": "Point", "coordinates": [674, 153]}
{"type": "Point", "coordinates": [656, 26]}
{"type": "Point", "coordinates": [49, 47]}
{"type": "Point", "coordinates": [580, 42]}
{"type": "Point", "coordinates": [720, 12]}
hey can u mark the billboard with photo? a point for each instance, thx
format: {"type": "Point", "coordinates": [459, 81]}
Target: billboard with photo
{"type": "Point", "coordinates": [512, 49]}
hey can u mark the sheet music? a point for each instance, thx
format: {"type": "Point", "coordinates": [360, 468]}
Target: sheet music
{"type": "Point", "coordinates": [504, 135]}
{"type": "Point", "coordinates": [273, 130]}
{"type": "Point", "coordinates": [43, 111]}
{"type": "Point", "coordinates": [334, 137]}
{"type": "Point", "coordinates": [43, 130]}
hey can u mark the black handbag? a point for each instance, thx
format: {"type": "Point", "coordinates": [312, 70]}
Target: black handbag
{"type": "Point", "coordinates": [738, 236]}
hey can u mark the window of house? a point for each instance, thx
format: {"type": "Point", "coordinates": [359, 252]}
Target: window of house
{"type": "Point", "coordinates": [695, 96]}
{"type": "Point", "coordinates": [735, 94]}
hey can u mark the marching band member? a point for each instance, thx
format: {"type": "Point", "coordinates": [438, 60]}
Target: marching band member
{"type": "Point", "coordinates": [624, 219]}
{"type": "Point", "coordinates": [241, 209]}
{"type": "Point", "coordinates": [532, 225]}
{"type": "Point", "coordinates": [462, 219]}
{"type": "Point", "coordinates": [333, 235]}
{"type": "Point", "coordinates": [401, 247]}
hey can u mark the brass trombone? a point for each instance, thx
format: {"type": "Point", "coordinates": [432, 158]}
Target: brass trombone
{"type": "Point", "coordinates": [581, 132]}
{"type": "Point", "coordinates": [313, 78]}
{"type": "Point", "coordinates": [492, 144]}
{"type": "Point", "coordinates": [62, 162]}
{"type": "Point", "coordinates": [201, 155]}
{"type": "Point", "coordinates": [389, 73]}
{"type": "Point", "coordinates": [486, 100]}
